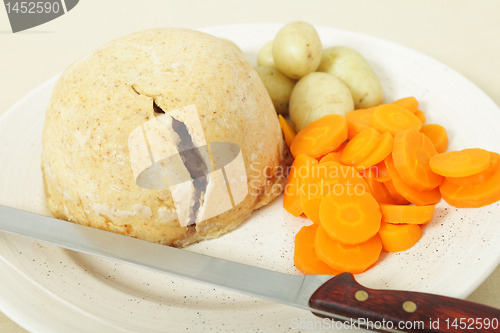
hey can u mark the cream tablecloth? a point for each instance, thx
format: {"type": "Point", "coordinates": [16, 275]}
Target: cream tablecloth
{"type": "Point", "coordinates": [465, 35]}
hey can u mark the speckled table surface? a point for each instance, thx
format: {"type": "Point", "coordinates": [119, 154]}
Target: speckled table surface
{"type": "Point", "coordinates": [465, 35]}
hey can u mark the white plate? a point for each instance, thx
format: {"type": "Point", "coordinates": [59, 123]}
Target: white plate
{"type": "Point", "coordinates": [48, 289]}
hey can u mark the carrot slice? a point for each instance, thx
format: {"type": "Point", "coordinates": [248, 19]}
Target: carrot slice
{"type": "Point", "coordinates": [411, 153]}
{"type": "Point", "coordinates": [409, 103]}
{"type": "Point", "coordinates": [461, 163]}
{"type": "Point", "coordinates": [329, 175]}
{"type": "Point", "coordinates": [347, 258]}
{"type": "Point", "coordinates": [351, 134]}
{"type": "Point", "coordinates": [438, 136]}
{"type": "Point", "coordinates": [382, 173]}
{"type": "Point", "coordinates": [350, 219]}
{"type": "Point", "coordinates": [325, 178]}
{"type": "Point", "coordinates": [377, 189]}
{"type": "Point", "coordinates": [398, 214]}
{"type": "Point", "coordinates": [320, 137]}
{"type": "Point", "coordinates": [358, 120]}
{"type": "Point", "coordinates": [472, 196]}
{"type": "Point", "coordinates": [377, 155]}
{"type": "Point", "coordinates": [478, 177]}
{"type": "Point", "coordinates": [288, 131]}
{"type": "Point", "coordinates": [421, 116]}
{"type": "Point", "coordinates": [383, 179]}
{"type": "Point", "coordinates": [304, 256]}
{"type": "Point", "coordinates": [399, 237]}
{"type": "Point", "coordinates": [331, 157]}
{"type": "Point", "coordinates": [419, 198]}
{"type": "Point", "coordinates": [393, 118]}
{"type": "Point", "coordinates": [340, 148]}
{"type": "Point", "coordinates": [311, 207]}
{"type": "Point", "coordinates": [298, 171]}
{"type": "Point", "coordinates": [360, 146]}
{"type": "Point", "coordinates": [398, 198]}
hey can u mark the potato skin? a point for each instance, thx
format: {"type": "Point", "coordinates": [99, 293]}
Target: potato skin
{"type": "Point", "coordinates": [278, 85]}
{"type": "Point", "coordinates": [352, 69]}
{"type": "Point", "coordinates": [316, 95]}
{"type": "Point", "coordinates": [265, 56]}
{"type": "Point", "coordinates": [297, 49]}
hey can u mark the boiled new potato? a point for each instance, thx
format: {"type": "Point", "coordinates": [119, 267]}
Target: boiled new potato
{"type": "Point", "coordinates": [297, 49]}
{"type": "Point", "coordinates": [265, 56]}
{"type": "Point", "coordinates": [317, 95]}
{"type": "Point", "coordinates": [278, 85]}
{"type": "Point", "coordinates": [352, 69]}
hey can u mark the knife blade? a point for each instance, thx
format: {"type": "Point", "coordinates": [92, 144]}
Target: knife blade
{"type": "Point", "coordinates": [340, 298]}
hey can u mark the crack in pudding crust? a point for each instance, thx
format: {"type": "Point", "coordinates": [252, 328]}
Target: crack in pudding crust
{"type": "Point", "coordinates": [195, 165]}
{"type": "Point", "coordinates": [191, 159]}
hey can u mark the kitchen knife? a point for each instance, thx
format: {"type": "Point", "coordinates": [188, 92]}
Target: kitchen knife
{"type": "Point", "coordinates": [340, 298]}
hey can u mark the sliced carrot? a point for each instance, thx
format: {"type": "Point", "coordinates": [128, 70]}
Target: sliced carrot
{"type": "Point", "coordinates": [461, 163]}
{"type": "Point", "coordinates": [409, 103]}
{"type": "Point", "coordinates": [383, 179]}
{"type": "Point", "coordinates": [347, 258]}
{"type": "Point", "coordinates": [478, 177]}
{"type": "Point", "coordinates": [398, 198]}
{"type": "Point", "coordinates": [419, 198]}
{"type": "Point", "coordinates": [399, 237]}
{"type": "Point", "coordinates": [288, 131]}
{"type": "Point", "coordinates": [411, 153]}
{"type": "Point", "coordinates": [382, 172]}
{"type": "Point", "coordinates": [311, 207]}
{"type": "Point", "coordinates": [421, 116]}
{"type": "Point", "coordinates": [472, 196]}
{"type": "Point", "coordinates": [381, 151]}
{"type": "Point", "coordinates": [358, 120]}
{"type": "Point", "coordinates": [320, 137]}
{"type": "Point", "coordinates": [393, 118]}
{"type": "Point", "coordinates": [351, 134]}
{"type": "Point", "coordinates": [331, 157]}
{"type": "Point", "coordinates": [360, 146]}
{"type": "Point", "coordinates": [350, 219]}
{"type": "Point", "coordinates": [377, 189]}
{"type": "Point", "coordinates": [438, 136]}
{"type": "Point", "coordinates": [398, 214]}
{"type": "Point", "coordinates": [298, 171]}
{"type": "Point", "coordinates": [340, 148]}
{"type": "Point", "coordinates": [325, 178]}
{"type": "Point", "coordinates": [305, 258]}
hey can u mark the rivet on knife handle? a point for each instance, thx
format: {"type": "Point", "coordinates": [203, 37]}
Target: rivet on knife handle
{"type": "Point", "coordinates": [406, 311]}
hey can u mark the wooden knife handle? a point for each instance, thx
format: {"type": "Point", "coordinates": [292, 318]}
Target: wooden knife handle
{"type": "Point", "coordinates": [399, 310]}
